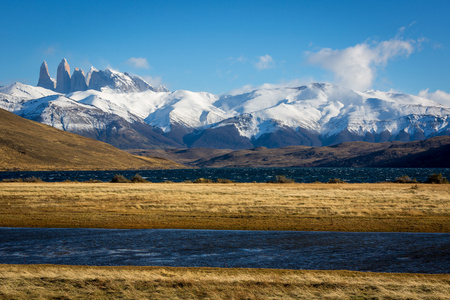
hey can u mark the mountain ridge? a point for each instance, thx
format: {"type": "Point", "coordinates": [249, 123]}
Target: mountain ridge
{"type": "Point", "coordinates": [431, 153]}
{"type": "Point", "coordinates": [125, 111]}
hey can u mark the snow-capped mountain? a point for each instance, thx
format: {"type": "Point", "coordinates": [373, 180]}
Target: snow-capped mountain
{"type": "Point", "coordinates": [128, 113]}
{"type": "Point", "coordinates": [95, 80]}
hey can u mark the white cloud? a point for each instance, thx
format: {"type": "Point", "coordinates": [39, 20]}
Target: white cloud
{"type": "Point", "coordinates": [438, 96]}
{"type": "Point", "coordinates": [265, 62]}
{"type": "Point", "coordinates": [241, 59]}
{"type": "Point", "coordinates": [154, 81]}
{"type": "Point", "coordinates": [355, 67]}
{"type": "Point", "coordinates": [50, 50]}
{"type": "Point", "coordinates": [138, 62]}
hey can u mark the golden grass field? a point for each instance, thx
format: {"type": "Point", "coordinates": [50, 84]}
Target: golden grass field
{"type": "Point", "coordinates": [377, 207]}
{"type": "Point", "coordinates": [81, 282]}
{"type": "Point", "coordinates": [257, 206]}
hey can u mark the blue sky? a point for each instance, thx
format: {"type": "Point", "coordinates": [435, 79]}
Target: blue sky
{"type": "Point", "coordinates": [218, 46]}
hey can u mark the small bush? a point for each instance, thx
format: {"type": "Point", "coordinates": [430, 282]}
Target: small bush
{"type": "Point", "coordinates": [405, 179]}
{"type": "Point", "coordinates": [138, 179]}
{"type": "Point", "coordinates": [120, 179]}
{"type": "Point", "coordinates": [223, 180]}
{"type": "Point", "coordinates": [415, 187]}
{"type": "Point", "coordinates": [282, 179]}
{"type": "Point", "coordinates": [335, 180]}
{"type": "Point", "coordinates": [437, 178]}
{"type": "Point", "coordinates": [32, 179]}
{"type": "Point", "coordinates": [203, 180]}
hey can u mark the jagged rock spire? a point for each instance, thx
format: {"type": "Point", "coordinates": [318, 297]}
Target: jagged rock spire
{"type": "Point", "coordinates": [78, 81]}
{"type": "Point", "coordinates": [44, 78]}
{"type": "Point", "coordinates": [63, 77]}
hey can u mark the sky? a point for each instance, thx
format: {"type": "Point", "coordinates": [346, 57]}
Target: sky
{"type": "Point", "coordinates": [222, 46]}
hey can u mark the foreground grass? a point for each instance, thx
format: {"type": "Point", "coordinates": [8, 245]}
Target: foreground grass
{"type": "Point", "coordinates": [322, 207]}
{"type": "Point", "coordinates": [80, 282]}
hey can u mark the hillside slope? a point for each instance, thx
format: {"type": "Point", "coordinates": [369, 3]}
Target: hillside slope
{"type": "Point", "coordinates": [28, 145]}
{"type": "Point", "coordinates": [432, 153]}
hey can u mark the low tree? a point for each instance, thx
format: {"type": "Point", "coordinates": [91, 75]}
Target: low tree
{"type": "Point", "coordinates": [138, 179]}
{"type": "Point", "coordinates": [120, 179]}
{"type": "Point", "coordinates": [436, 178]}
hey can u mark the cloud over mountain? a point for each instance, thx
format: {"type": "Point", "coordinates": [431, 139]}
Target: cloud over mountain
{"type": "Point", "coordinates": [138, 63]}
{"type": "Point", "coordinates": [265, 62]}
{"type": "Point", "coordinates": [356, 67]}
{"type": "Point", "coordinates": [438, 96]}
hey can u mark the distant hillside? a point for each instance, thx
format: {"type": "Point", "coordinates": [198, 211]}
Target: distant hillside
{"type": "Point", "coordinates": [28, 145]}
{"type": "Point", "coordinates": [433, 153]}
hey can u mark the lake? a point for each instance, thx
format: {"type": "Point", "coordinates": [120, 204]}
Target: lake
{"type": "Point", "coordinates": [352, 175]}
{"type": "Point", "coordinates": [375, 252]}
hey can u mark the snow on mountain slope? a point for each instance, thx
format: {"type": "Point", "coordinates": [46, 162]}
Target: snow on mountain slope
{"type": "Point", "coordinates": [189, 109]}
{"type": "Point", "coordinates": [326, 110]}
{"type": "Point", "coordinates": [314, 114]}
{"type": "Point", "coordinates": [159, 109]}
{"type": "Point", "coordinates": [12, 97]}
{"type": "Point", "coordinates": [25, 91]}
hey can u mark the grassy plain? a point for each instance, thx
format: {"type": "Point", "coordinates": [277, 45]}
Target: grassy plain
{"type": "Point", "coordinates": [380, 207]}
{"type": "Point", "coordinates": [81, 282]}
{"type": "Point", "coordinates": [340, 207]}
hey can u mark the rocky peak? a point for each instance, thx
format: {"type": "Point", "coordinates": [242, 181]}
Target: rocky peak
{"type": "Point", "coordinates": [63, 77]}
{"type": "Point", "coordinates": [44, 78]}
{"type": "Point", "coordinates": [78, 81]}
{"type": "Point", "coordinates": [117, 81]}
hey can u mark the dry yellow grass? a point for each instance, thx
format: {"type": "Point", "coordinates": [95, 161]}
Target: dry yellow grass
{"type": "Point", "coordinates": [335, 207]}
{"type": "Point", "coordinates": [80, 282]}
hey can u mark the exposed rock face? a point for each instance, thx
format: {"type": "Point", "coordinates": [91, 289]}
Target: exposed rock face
{"type": "Point", "coordinates": [78, 81]}
{"type": "Point", "coordinates": [44, 78]}
{"type": "Point", "coordinates": [119, 82]}
{"type": "Point", "coordinates": [95, 80]}
{"type": "Point", "coordinates": [63, 77]}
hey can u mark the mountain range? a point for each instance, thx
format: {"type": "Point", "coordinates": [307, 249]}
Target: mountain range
{"type": "Point", "coordinates": [127, 112]}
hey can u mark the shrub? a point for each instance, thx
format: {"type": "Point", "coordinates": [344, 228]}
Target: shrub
{"type": "Point", "coordinates": [32, 179]}
{"type": "Point", "coordinates": [203, 180]}
{"type": "Point", "coordinates": [405, 179]}
{"type": "Point", "coordinates": [223, 180]}
{"type": "Point", "coordinates": [335, 180]}
{"type": "Point", "coordinates": [283, 179]}
{"type": "Point", "coordinates": [436, 178]}
{"type": "Point", "coordinates": [120, 179]}
{"type": "Point", "coordinates": [138, 179]}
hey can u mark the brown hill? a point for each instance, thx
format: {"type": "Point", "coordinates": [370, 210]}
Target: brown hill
{"type": "Point", "coordinates": [28, 145]}
{"type": "Point", "coordinates": [433, 153]}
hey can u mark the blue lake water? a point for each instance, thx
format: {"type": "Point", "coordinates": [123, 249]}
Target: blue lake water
{"type": "Point", "coordinates": [352, 175]}
{"type": "Point", "coordinates": [376, 252]}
